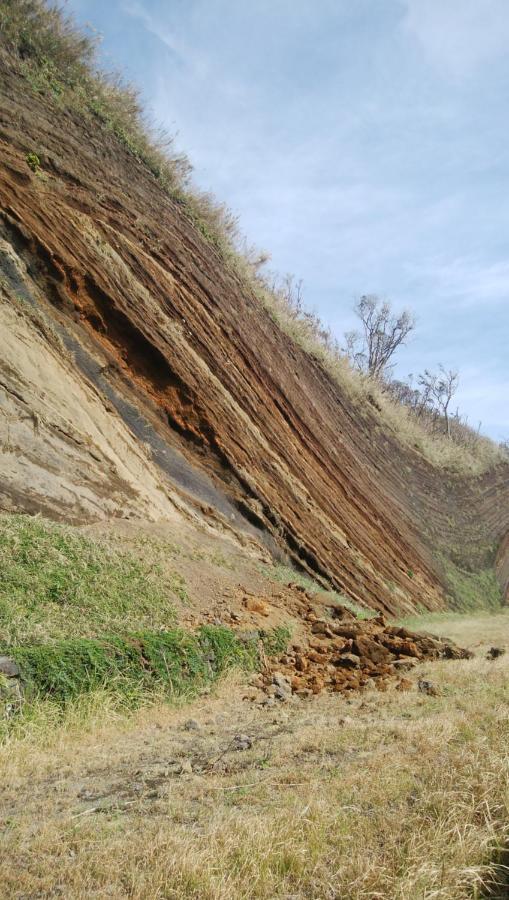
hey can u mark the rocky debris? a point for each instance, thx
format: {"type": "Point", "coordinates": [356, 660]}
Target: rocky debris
{"type": "Point", "coordinates": [495, 652]}
{"type": "Point", "coordinates": [11, 689]}
{"type": "Point", "coordinates": [342, 653]}
{"type": "Point", "coordinates": [427, 687]}
{"type": "Point", "coordinates": [241, 742]}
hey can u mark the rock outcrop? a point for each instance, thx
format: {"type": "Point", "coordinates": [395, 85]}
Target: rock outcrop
{"type": "Point", "coordinates": [138, 375]}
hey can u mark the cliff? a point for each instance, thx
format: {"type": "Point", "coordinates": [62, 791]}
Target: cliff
{"type": "Point", "coordinates": [140, 375]}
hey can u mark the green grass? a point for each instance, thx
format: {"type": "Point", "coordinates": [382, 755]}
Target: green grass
{"type": "Point", "coordinates": [472, 591]}
{"type": "Point", "coordinates": [175, 662]}
{"type": "Point", "coordinates": [33, 162]}
{"type": "Point", "coordinates": [63, 679]}
{"type": "Point", "coordinates": [59, 584]}
{"type": "Point", "coordinates": [81, 617]}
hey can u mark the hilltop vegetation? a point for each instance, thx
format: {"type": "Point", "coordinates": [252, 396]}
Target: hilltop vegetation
{"type": "Point", "coordinates": [59, 61]}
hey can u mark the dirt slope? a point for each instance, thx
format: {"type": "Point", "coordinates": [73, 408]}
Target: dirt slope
{"type": "Point", "coordinates": [140, 378]}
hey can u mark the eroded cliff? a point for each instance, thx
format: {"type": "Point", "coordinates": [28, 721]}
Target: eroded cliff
{"type": "Point", "coordinates": [140, 377]}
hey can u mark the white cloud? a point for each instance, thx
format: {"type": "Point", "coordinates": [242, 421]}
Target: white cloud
{"type": "Point", "coordinates": [459, 35]}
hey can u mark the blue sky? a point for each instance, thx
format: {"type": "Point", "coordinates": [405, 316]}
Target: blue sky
{"type": "Point", "coordinates": [361, 142]}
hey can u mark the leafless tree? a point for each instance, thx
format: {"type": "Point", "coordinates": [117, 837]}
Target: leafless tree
{"type": "Point", "coordinates": [372, 349]}
{"type": "Point", "coordinates": [437, 391]}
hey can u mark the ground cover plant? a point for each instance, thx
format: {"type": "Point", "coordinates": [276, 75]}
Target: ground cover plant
{"type": "Point", "coordinates": [58, 583]}
{"type": "Point", "coordinates": [82, 617]}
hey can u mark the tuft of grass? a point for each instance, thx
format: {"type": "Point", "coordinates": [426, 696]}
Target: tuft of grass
{"type": "Point", "coordinates": [276, 641]}
{"type": "Point", "coordinates": [33, 162]}
{"type": "Point", "coordinates": [58, 583]}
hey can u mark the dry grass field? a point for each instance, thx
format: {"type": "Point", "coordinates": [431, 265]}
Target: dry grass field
{"type": "Point", "coordinates": [386, 796]}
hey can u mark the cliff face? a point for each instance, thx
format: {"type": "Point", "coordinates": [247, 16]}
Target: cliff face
{"type": "Point", "coordinates": [138, 375]}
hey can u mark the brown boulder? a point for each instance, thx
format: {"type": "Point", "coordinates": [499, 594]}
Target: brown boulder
{"type": "Point", "coordinates": [369, 649]}
{"type": "Point", "coordinates": [255, 605]}
{"type": "Point", "coordinates": [348, 661]}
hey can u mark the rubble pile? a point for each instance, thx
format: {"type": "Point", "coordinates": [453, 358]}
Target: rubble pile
{"type": "Point", "coordinates": [343, 653]}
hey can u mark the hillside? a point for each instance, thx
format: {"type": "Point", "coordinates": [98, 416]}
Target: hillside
{"type": "Point", "coordinates": [233, 571]}
{"type": "Point", "coordinates": [141, 376]}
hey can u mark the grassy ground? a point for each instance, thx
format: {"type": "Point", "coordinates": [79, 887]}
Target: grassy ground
{"type": "Point", "coordinates": [392, 796]}
{"type": "Point", "coordinates": [82, 616]}
{"type": "Point", "coordinates": [56, 583]}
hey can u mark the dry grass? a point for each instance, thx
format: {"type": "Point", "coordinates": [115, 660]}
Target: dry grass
{"type": "Point", "coordinates": [385, 796]}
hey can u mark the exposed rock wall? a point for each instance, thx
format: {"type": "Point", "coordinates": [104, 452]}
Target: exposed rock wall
{"type": "Point", "coordinates": [174, 381]}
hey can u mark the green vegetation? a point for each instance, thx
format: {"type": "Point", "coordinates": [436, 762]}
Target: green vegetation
{"type": "Point", "coordinates": [60, 584]}
{"type": "Point", "coordinates": [472, 591]}
{"type": "Point", "coordinates": [81, 617]}
{"type": "Point", "coordinates": [173, 662]}
{"type": "Point", "coordinates": [33, 162]}
{"type": "Point", "coordinates": [276, 641]}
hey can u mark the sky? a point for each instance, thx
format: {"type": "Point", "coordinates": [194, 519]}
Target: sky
{"type": "Point", "coordinates": [363, 144]}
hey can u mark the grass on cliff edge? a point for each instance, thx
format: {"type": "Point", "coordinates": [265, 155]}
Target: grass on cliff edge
{"type": "Point", "coordinates": [383, 796]}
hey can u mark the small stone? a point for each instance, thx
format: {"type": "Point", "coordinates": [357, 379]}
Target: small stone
{"type": "Point", "coordinates": [321, 627]}
{"type": "Point", "coordinates": [301, 663]}
{"type": "Point", "coordinates": [493, 653]}
{"type": "Point", "coordinates": [348, 661]}
{"type": "Point", "coordinates": [241, 742]}
{"type": "Point", "coordinates": [427, 687]}
{"type": "Point", "coordinates": [404, 662]}
{"type": "Point", "coordinates": [9, 667]}
{"type": "Point", "coordinates": [192, 725]}
{"type": "Point", "coordinates": [281, 681]}
{"type": "Point", "coordinates": [282, 694]}
{"type": "Point", "coordinates": [255, 605]}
